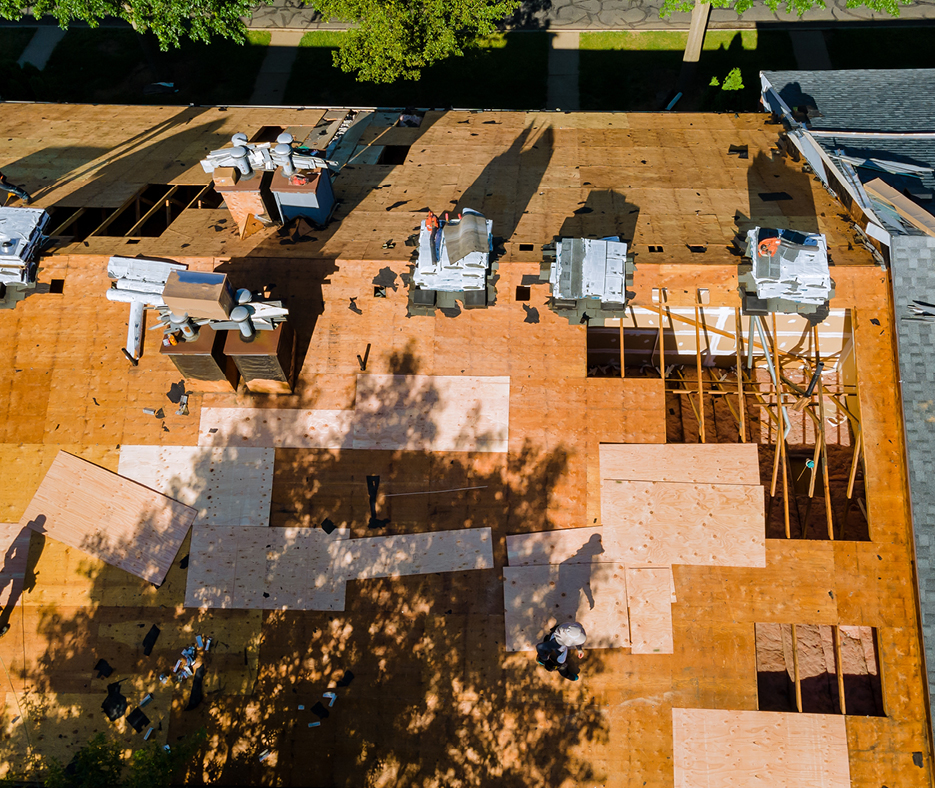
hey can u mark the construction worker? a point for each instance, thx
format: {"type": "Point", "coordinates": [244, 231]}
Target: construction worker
{"type": "Point", "coordinates": [553, 651]}
{"type": "Point", "coordinates": [16, 191]}
{"type": "Point", "coordinates": [431, 224]}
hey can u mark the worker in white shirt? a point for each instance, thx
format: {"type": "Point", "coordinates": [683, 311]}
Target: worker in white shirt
{"type": "Point", "coordinates": [553, 651]}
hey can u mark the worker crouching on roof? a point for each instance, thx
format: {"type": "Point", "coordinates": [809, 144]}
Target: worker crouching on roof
{"type": "Point", "coordinates": [16, 191]}
{"type": "Point", "coordinates": [553, 650]}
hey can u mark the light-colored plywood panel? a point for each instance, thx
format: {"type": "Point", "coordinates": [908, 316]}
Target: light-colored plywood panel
{"type": "Point", "coordinates": [664, 543]}
{"type": "Point", "coordinates": [709, 463]}
{"type": "Point", "coordinates": [228, 486]}
{"type": "Point", "coordinates": [568, 545]}
{"type": "Point", "coordinates": [412, 554]}
{"type": "Point", "coordinates": [714, 748]}
{"type": "Point", "coordinates": [717, 506]}
{"type": "Point", "coordinates": [435, 413]}
{"type": "Point", "coordinates": [111, 518]}
{"type": "Point", "coordinates": [536, 598]}
{"type": "Point", "coordinates": [407, 412]}
{"type": "Point", "coordinates": [274, 427]}
{"type": "Point", "coordinates": [649, 599]}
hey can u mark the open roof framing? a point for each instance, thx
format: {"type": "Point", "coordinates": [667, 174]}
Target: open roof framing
{"type": "Point", "coordinates": [436, 695]}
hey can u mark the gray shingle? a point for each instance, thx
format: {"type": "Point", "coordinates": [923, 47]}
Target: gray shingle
{"type": "Point", "coordinates": [896, 100]}
{"type": "Point", "coordinates": [914, 278]}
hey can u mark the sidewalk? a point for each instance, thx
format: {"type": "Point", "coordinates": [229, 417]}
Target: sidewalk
{"type": "Point", "coordinates": [590, 15]}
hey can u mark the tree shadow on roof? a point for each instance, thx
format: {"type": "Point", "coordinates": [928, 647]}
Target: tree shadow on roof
{"type": "Point", "coordinates": [505, 187]}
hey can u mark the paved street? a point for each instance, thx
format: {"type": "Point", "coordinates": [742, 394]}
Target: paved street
{"type": "Point", "coordinates": [611, 15]}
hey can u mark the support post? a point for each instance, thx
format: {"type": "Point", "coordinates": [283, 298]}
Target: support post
{"type": "Point", "coordinates": [698, 369]}
{"type": "Point", "coordinates": [740, 401]}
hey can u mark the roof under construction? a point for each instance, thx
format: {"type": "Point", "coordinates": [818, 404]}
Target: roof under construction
{"type": "Point", "coordinates": [719, 498]}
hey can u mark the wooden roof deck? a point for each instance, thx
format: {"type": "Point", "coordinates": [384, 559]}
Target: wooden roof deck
{"type": "Point", "coordinates": [435, 699]}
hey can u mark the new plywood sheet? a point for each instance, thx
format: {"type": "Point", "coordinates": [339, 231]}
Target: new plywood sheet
{"type": "Point", "coordinates": [275, 427]}
{"type": "Point", "coordinates": [569, 545]}
{"type": "Point", "coordinates": [714, 748]}
{"type": "Point", "coordinates": [243, 567]}
{"type": "Point", "coordinates": [228, 486]}
{"type": "Point", "coordinates": [706, 463]}
{"type": "Point", "coordinates": [409, 412]}
{"type": "Point", "coordinates": [412, 554]}
{"type": "Point", "coordinates": [111, 518]}
{"type": "Point", "coordinates": [307, 569]}
{"type": "Point", "coordinates": [714, 505]}
{"type": "Point", "coordinates": [536, 598]}
{"type": "Point", "coordinates": [649, 599]}
{"type": "Point", "coordinates": [434, 413]}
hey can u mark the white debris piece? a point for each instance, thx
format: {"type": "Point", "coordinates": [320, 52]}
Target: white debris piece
{"type": "Point", "coordinates": [459, 258]}
{"type": "Point", "coordinates": [790, 265]}
{"type": "Point", "coordinates": [589, 268]}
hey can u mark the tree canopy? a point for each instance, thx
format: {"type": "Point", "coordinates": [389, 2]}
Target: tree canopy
{"type": "Point", "coordinates": [169, 20]}
{"type": "Point", "coordinates": [791, 6]}
{"type": "Point", "coordinates": [396, 39]}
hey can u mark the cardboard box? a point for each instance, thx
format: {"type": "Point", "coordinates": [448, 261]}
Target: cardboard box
{"type": "Point", "coordinates": [199, 294]}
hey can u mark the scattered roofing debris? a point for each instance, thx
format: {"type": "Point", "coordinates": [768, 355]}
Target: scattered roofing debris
{"type": "Point", "coordinates": [880, 162]}
{"type": "Point", "coordinates": [788, 274]}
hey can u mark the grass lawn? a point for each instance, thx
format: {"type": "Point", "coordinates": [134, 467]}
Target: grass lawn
{"type": "Point", "coordinates": [114, 66]}
{"type": "Point", "coordinates": [637, 71]}
{"type": "Point", "coordinates": [505, 71]}
{"type": "Point", "coordinates": [902, 47]}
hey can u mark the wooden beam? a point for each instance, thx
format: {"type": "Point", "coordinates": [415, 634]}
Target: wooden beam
{"type": "Point", "coordinates": [824, 444]}
{"type": "Point", "coordinates": [740, 401]}
{"type": "Point", "coordinates": [146, 216]}
{"type": "Point", "coordinates": [839, 668]}
{"type": "Point", "coordinates": [698, 369]}
{"type": "Point", "coordinates": [662, 341]}
{"type": "Point", "coordinates": [795, 663]}
{"type": "Point", "coordinates": [854, 460]}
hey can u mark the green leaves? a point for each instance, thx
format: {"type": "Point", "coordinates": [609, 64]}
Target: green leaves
{"type": "Point", "coordinates": [798, 7]}
{"type": "Point", "coordinates": [170, 21]}
{"type": "Point", "coordinates": [396, 39]}
{"type": "Point", "coordinates": [733, 80]}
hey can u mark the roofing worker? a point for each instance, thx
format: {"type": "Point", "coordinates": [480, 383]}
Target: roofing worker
{"type": "Point", "coordinates": [431, 224]}
{"type": "Point", "coordinates": [16, 191]}
{"type": "Point", "coordinates": [554, 649]}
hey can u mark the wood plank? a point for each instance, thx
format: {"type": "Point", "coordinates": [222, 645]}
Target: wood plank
{"type": "Point", "coordinates": [228, 486]}
{"type": "Point", "coordinates": [567, 545]}
{"type": "Point", "coordinates": [720, 463]}
{"type": "Point", "coordinates": [432, 412]}
{"type": "Point", "coordinates": [234, 566]}
{"type": "Point", "coordinates": [412, 554]}
{"type": "Point", "coordinates": [728, 506]}
{"type": "Point", "coordinates": [536, 598]}
{"type": "Point", "coordinates": [714, 748]}
{"type": "Point", "coordinates": [649, 599]}
{"type": "Point", "coordinates": [275, 427]}
{"type": "Point", "coordinates": [111, 518]}
{"type": "Point", "coordinates": [404, 412]}
{"type": "Point", "coordinates": [307, 569]}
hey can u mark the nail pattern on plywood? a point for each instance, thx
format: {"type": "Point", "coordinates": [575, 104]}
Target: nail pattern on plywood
{"type": "Point", "coordinates": [111, 518]}
{"type": "Point", "coordinates": [307, 569]}
{"type": "Point", "coordinates": [399, 412]}
{"type": "Point", "coordinates": [228, 486]}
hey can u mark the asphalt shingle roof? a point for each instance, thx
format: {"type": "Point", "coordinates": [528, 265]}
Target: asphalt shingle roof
{"type": "Point", "coordinates": [912, 260]}
{"type": "Point", "coordinates": [897, 100]}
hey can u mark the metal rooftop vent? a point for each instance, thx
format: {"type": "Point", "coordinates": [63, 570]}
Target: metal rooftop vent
{"type": "Point", "coordinates": [586, 268]}
{"type": "Point", "coordinates": [455, 257]}
{"type": "Point", "coordinates": [20, 238]}
{"type": "Point", "coordinates": [789, 273]}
